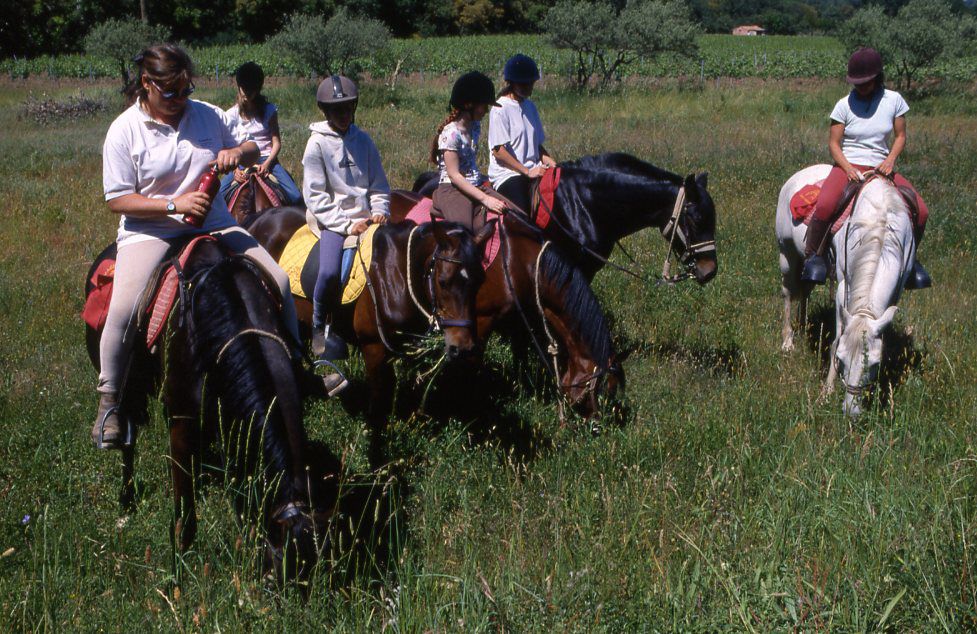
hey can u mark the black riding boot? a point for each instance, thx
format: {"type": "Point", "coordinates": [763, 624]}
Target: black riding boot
{"type": "Point", "coordinates": [815, 266]}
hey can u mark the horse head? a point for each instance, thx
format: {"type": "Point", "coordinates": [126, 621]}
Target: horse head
{"type": "Point", "coordinates": [859, 354]}
{"type": "Point", "coordinates": [454, 273]}
{"type": "Point", "coordinates": [692, 229]}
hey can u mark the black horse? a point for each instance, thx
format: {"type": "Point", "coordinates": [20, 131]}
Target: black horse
{"type": "Point", "coordinates": [605, 198]}
{"type": "Point", "coordinates": [230, 381]}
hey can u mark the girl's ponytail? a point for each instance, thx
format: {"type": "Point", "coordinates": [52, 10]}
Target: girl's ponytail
{"type": "Point", "coordinates": [452, 116]}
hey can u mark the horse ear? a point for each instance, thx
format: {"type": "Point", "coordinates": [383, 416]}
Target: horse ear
{"type": "Point", "coordinates": [485, 233]}
{"type": "Point", "coordinates": [691, 189]}
{"type": "Point", "coordinates": [880, 324]}
{"type": "Point", "coordinates": [440, 235]}
{"type": "Point", "coordinates": [702, 179]}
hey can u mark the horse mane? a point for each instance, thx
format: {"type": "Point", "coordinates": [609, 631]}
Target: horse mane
{"type": "Point", "coordinates": [619, 163]}
{"type": "Point", "coordinates": [231, 299]}
{"type": "Point", "coordinates": [583, 310]}
{"type": "Point", "coordinates": [873, 231]}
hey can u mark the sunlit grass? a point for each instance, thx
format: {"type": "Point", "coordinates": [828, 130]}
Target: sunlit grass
{"type": "Point", "coordinates": [731, 499]}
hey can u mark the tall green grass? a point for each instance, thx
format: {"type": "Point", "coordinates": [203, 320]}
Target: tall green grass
{"type": "Point", "coordinates": [731, 500]}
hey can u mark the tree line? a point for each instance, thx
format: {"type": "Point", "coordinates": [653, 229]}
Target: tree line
{"type": "Point", "coordinates": [60, 26]}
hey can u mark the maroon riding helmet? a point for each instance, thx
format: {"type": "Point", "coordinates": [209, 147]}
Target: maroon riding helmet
{"type": "Point", "coordinates": [864, 65]}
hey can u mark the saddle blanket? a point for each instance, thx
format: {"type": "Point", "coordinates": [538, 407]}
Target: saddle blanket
{"type": "Point", "coordinates": [163, 296]}
{"type": "Point", "coordinates": [803, 202]}
{"type": "Point", "coordinates": [268, 184]}
{"type": "Point", "coordinates": [300, 260]}
{"type": "Point", "coordinates": [421, 213]}
{"type": "Point", "coordinates": [546, 192]}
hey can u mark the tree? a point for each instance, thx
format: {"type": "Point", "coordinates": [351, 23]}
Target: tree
{"type": "Point", "coordinates": [923, 33]}
{"type": "Point", "coordinates": [121, 40]}
{"type": "Point", "coordinates": [605, 41]}
{"type": "Point", "coordinates": [324, 48]}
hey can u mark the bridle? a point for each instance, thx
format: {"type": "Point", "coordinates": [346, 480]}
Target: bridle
{"type": "Point", "coordinates": [672, 232]}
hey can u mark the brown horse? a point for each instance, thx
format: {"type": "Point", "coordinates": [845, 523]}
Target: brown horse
{"type": "Point", "coordinates": [231, 382]}
{"type": "Point", "coordinates": [535, 285]}
{"type": "Point", "coordinates": [253, 196]}
{"type": "Point", "coordinates": [421, 276]}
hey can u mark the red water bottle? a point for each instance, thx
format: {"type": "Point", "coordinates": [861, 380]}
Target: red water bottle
{"type": "Point", "coordinates": [210, 184]}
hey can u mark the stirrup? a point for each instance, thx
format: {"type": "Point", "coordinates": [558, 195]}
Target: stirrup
{"type": "Point", "coordinates": [340, 383]}
{"type": "Point", "coordinates": [126, 434]}
{"type": "Point", "coordinates": [815, 270]}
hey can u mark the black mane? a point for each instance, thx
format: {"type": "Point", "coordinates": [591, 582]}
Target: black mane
{"type": "Point", "coordinates": [619, 163]}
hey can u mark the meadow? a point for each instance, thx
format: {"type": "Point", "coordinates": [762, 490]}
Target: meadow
{"type": "Point", "coordinates": [729, 500]}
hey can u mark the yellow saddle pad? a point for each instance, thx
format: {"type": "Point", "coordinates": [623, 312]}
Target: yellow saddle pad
{"type": "Point", "coordinates": [295, 262]}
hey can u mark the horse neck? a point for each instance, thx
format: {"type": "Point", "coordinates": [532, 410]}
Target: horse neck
{"type": "Point", "coordinates": [874, 244]}
{"type": "Point", "coordinates": [638, 204]}
{"type": "Point", "coordinates": [255, 379]}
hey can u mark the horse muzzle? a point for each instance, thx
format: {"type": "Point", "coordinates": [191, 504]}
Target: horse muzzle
{"type": "Point", "coordinates": [705, 269]}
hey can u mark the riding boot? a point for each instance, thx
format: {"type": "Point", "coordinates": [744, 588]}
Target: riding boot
{"type": "Point", "coordinates": [815, 267]}
{"type": "Point", "coordinates": [107, 430]}
{"type": "Point", "coordinates": [333, 349]}
{"type": "Point", "coordinates": [918, 277]}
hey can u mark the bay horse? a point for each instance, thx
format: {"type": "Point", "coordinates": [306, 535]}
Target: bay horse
{"type": "Point", "coordinates": [253, 196]}
{"type": "Point", "coordinates": [228, 379]}
{"type": "Point", "coordinates": [603, 199]}
{"type": "Point", "coordinates": [874, 251]}
{"type": "Point", "coordinates": [526, 281]}
{"type": "Point", "coordinates": [421, 277]}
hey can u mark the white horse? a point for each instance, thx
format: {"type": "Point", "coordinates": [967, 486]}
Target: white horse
{"type": "Point", "coordinates": [874, 251]}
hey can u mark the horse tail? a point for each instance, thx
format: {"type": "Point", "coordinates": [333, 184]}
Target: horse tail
{"type": "Point", "coordinates": [582, 309]}
{"type": "Point", "coordinates": [238, 344]}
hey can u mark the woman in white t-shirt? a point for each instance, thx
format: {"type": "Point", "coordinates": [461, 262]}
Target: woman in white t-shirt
{"type": "Point", "coordinates": [861, 124]}
{"type": "Point", "coordinates": [154, 155]}
{"type": "Point", "coordinates": [516, 134]}
{"type": "Point", "coordinates": [258, 117]}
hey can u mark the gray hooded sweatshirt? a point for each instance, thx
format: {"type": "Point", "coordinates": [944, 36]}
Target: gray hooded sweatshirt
{"type": "Point", "coordinates": [343, 181]}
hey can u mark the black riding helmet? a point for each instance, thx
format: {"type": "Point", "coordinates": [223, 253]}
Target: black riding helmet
{"type": "Point", "coordinates": [472, 88]}
{"type": "Point", "coordinates": [521, 69]}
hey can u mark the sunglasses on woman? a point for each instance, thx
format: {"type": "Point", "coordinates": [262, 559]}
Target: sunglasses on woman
{"type": "Point", "coordinates": [173, 94]}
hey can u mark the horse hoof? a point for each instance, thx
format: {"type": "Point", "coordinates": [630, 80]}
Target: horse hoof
{"type": "Point", "coordinates": [788, 345]}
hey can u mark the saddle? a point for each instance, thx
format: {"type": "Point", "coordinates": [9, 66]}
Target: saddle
{"type": "Point", "coordinates": [543, 193]}
{"type": "Point", "coordinates": [268, 185]}
{"type": "Point", "coordinates": [804, 201]}
{"type": "Point", "coordinates": [158, 299]}
{"type": "Point", "coordinates": [422, 212]}
{"type": "Point", "coordinates": [300, 260]}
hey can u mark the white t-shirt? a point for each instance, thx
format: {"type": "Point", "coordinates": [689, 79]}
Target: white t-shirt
{"type": "Point", "coordinates": [148, 157]}
{"type": "Point", "coordinates": [868, 124]}
{"type": "Point", "coordinates": [257, 127]}
{"type": "Point", "coordinates": [517, 126]}
{"type": "Point", "coordinates": [464, 143]}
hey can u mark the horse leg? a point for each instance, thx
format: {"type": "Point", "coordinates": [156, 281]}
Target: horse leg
{"type": "Point", "coordinates": [127, 495]}
{"type": "Point", "coordinates": [182, 452]}
{"type": "Point", "coordinates": [791, 290]}
{"type": "Point", "coordinates": [380, 378]}
{"type": "Point", "coordinates": [829, 382]}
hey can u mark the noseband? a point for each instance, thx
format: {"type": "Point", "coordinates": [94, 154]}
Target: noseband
{"type": "Point", "coordinates": [672, 231]}
{"type": "Point", "coordinates": [434, 317]}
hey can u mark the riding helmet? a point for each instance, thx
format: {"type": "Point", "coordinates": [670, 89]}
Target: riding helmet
{"type": "Point", "coordinates": [336, 89]}
{"type": "Point", "coordinates": [864, 65]}
{"type": "Point", "coordinates": [472, 88]}
{"type": "Point", "coordinates": [521, 69]}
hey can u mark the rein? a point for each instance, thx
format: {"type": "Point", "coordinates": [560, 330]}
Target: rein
{"type": "Point", "coordinates": [673, 229]}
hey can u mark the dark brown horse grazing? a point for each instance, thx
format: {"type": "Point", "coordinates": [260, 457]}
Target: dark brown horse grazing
{"type": "Point", "coordinates": [603, 199]}
{"type": "Point", "coordinates": [445, 273]}
{"type": "Point", "coordinates": [511, 289]}
{"type": "Point", "coordinates": [253, 196]}
{"type": "Point", "coordinates": [230, 381]}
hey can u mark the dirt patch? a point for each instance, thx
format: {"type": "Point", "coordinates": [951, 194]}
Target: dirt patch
{"type": "Point", "coordinates": [46, 111]}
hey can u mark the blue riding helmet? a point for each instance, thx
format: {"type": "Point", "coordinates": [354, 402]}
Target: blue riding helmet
{"type": "Point", "coordinates": [521, 69]}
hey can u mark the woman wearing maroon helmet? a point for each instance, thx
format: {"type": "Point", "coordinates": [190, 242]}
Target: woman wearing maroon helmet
{"type": "Point", "coordinates": [861, 124]}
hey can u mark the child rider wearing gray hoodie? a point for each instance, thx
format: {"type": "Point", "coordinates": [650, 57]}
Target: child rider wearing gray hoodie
{"type": "Point", "coordinates": [345, 190]}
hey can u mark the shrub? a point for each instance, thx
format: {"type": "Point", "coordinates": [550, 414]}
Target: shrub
{"type": "Point", "coordinates": [605, 41]}
{"type": "Point", "coordinates": [121, 40]}
{"type": "Point", "coordinates": [324, 48]}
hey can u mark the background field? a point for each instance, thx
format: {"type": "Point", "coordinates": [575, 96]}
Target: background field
{"type": "Point", "coordinates": [730, 500]}
{"type": "Point", "coordinates": [720, 56]}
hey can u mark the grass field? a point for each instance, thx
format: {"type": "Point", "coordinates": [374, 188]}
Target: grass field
{"type": "Point", "coordinates": [731, 500]}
